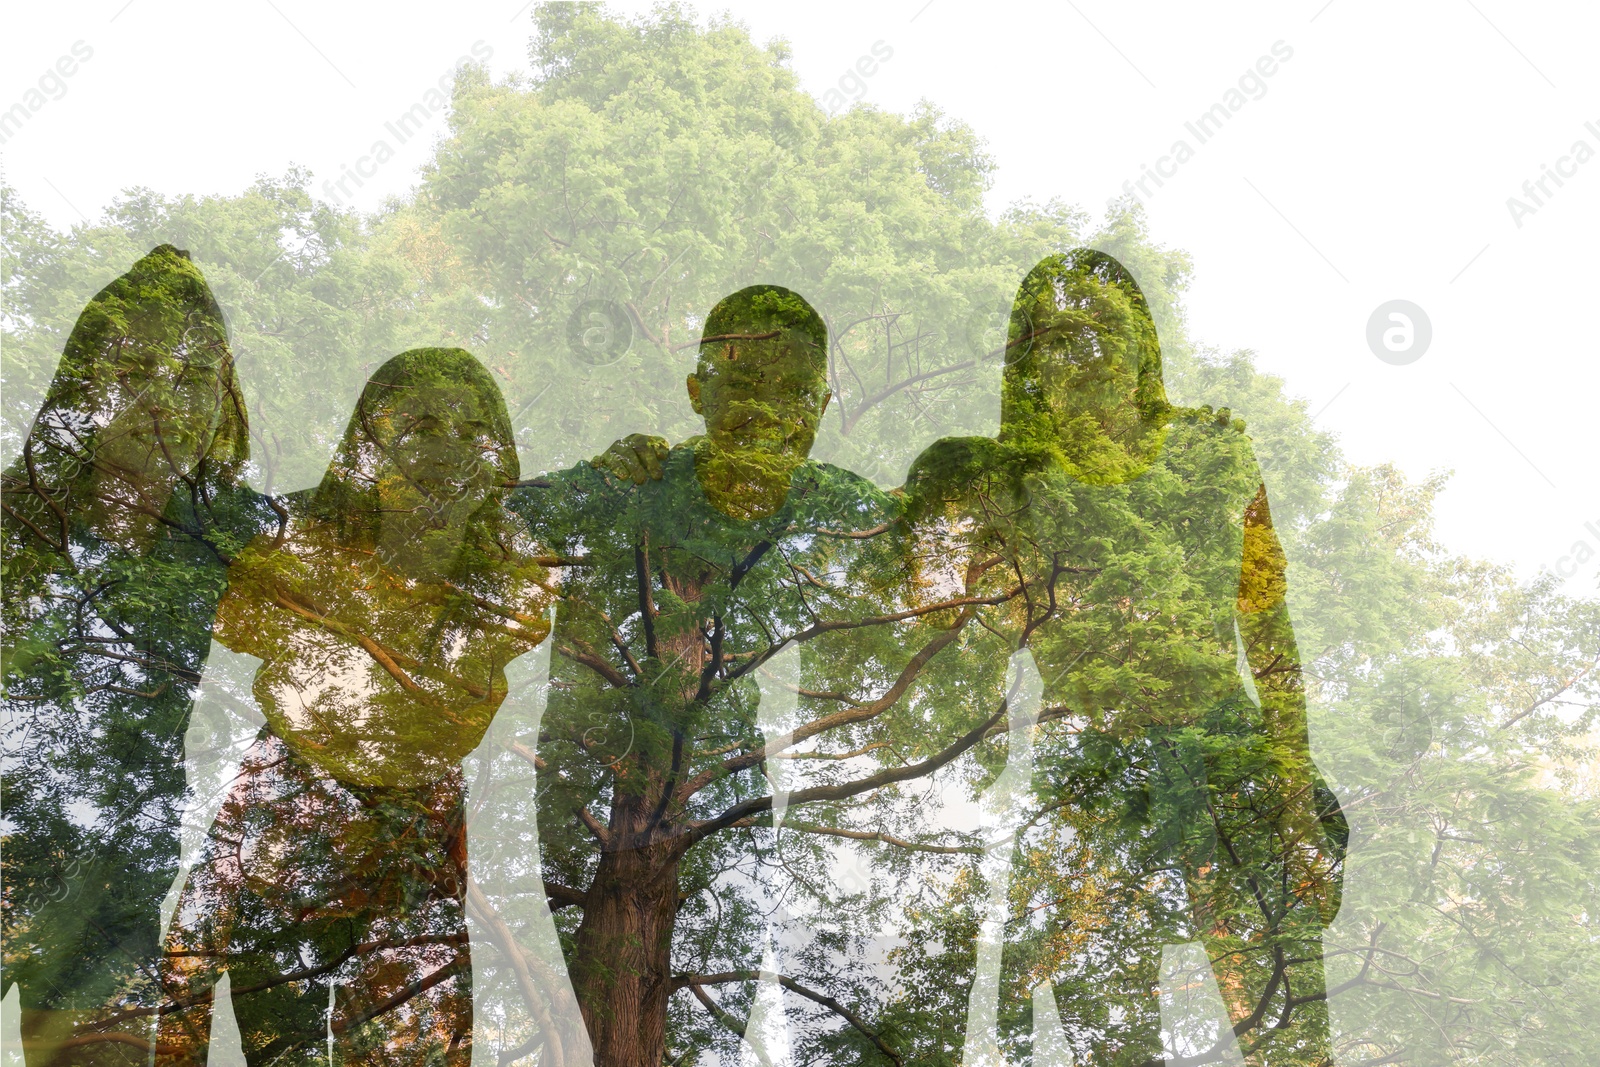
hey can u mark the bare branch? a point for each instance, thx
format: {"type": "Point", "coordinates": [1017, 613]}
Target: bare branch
{"type": "Point", "coordinates": [695, 981]}
{"type": "Point", "coordinates": [887, 839]}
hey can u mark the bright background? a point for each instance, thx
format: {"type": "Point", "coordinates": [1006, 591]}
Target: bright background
{"type": "Point", "coordinates": [1376, 166]}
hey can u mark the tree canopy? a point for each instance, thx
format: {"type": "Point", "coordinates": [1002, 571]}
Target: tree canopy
{"type": "Point", "coordinates": [572, 231]}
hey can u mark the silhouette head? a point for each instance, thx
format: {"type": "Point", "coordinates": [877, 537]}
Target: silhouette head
{"type": "Point", "coordinates": [1083, 367]}
{"type": "Point", "coordinates": [145, 396]}
{"type": "Point", "coordinates": [428, 447]}
{"type": "Point", "coordinates": [761, 386]}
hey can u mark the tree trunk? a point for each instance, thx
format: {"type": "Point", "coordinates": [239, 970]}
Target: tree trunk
{"type": "Point", "coordinates": [621, 964]}
{"type": "Point", "coordinates": [622, 956]}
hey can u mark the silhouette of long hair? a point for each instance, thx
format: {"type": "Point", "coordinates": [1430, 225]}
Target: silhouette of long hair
{"type": "Point", "coordinates": [1078, 300]}
{"type": "Point", "coordinates": [150, 344]}
{"type": "Point", "coordinates": [348, 493]}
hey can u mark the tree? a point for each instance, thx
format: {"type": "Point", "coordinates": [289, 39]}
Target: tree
{"type": "Point", "coordinates": [656, 165]}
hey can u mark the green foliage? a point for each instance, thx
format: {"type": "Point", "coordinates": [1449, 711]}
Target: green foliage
{"type": "Point", "coordinates": [655, 166]}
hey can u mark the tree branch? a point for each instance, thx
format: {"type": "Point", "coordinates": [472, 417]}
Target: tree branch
{"type": "Point", "coordinates": [696, 832]}
{"type": "Point", "coordinates": [843, 717]}
{"type": "Point", "coordinates": [695, 981]}
{"type": "Point", "coordinates": [887, 839]}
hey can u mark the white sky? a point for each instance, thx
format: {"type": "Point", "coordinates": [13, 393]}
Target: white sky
{"type": "Point", "coordinates": [1376, 166]}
